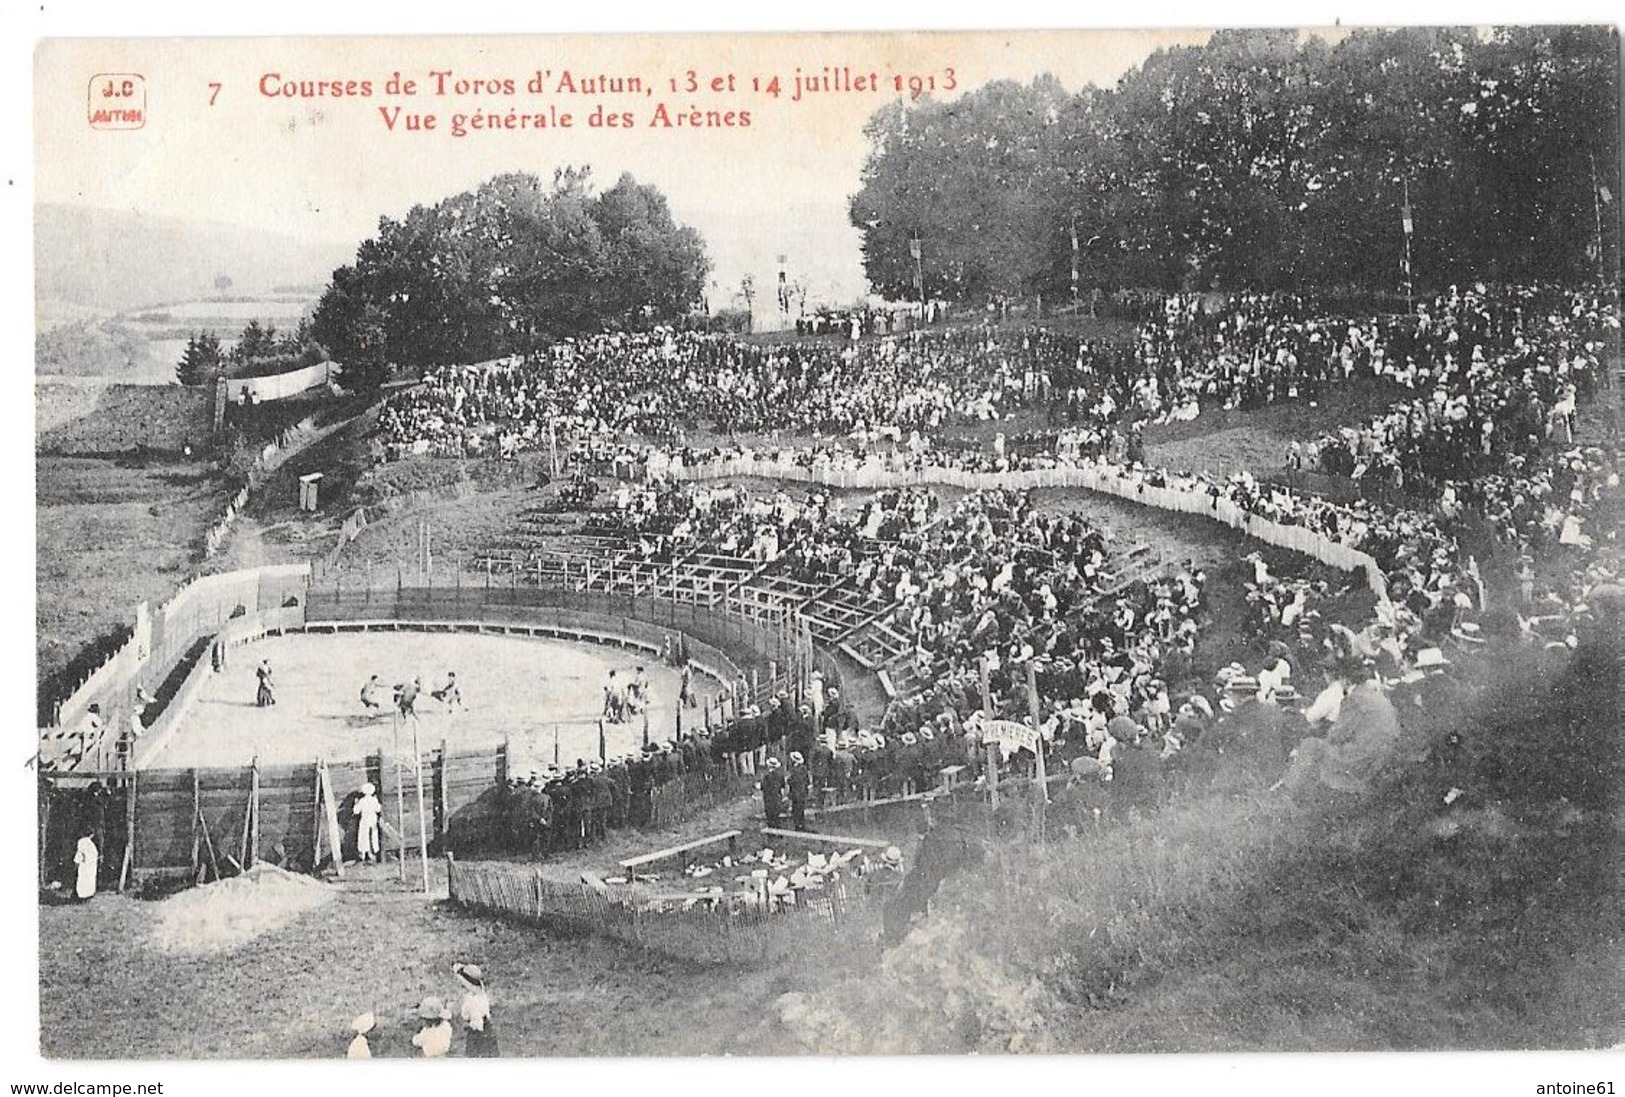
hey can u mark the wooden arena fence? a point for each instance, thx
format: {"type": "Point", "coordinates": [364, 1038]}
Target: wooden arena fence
{"type": "Point", "coordinates": [753, 653]}
{"type": "Point", "coordinates": [159, 652]}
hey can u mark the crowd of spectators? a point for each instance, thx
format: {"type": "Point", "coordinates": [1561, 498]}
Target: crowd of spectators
{"type": "Point", "coordinates": [1486, 441]}
{"type": "Point", "coordinates": [1499, 374]}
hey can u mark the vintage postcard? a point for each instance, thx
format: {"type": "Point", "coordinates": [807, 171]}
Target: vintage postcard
{"type": "Point", "coordinates": [828, 544]}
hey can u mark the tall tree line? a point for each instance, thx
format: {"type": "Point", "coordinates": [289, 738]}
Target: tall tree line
{"type": "Point", "coordinates": [505, 267]}
{"type": "Point", "coordinates": [1260, 159]}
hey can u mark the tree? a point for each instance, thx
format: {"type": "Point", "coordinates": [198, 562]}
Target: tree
{"type": "Point", "coordinates": [202, 362]}
{"type": "Point", "coordinates": [652, 265]}
{"type": "Point", "coordinates": [257, 341]}
{"type": "Point", "coordinates": [1261, 159]}
{"type": "Point", "coordinates": [972, 181]}
{"type": "Point", "coordinates": [506, 267]}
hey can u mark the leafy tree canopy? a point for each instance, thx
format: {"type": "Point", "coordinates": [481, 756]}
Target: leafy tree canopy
{"type": "Point", "coordinates": [505, 268]}
{"type": "Point", "coordinates": [1261, 159]}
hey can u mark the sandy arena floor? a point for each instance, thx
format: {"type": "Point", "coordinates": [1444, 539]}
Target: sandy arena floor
{"type": "Point", "coordinates": [513, 687]}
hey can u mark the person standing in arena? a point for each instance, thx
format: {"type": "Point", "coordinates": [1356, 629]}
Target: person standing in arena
{"type": "Point", "coordinates": [685, 688]}
{"type": "Point", "coordinates": [448, 694]}
{"type": "Point", "coordinates": [266, 695]}
{"type": "Point", "coordinates": [613, 702]}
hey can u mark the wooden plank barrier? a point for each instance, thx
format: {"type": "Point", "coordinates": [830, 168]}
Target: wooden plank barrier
{"type": "Point", "coordinates": [729, 836]}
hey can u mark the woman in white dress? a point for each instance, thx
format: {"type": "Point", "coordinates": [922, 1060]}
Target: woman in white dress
{"type": "Point", "coordinates": [87, 858]}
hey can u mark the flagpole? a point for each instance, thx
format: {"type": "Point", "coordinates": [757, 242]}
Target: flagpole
{"type": "Point", "coordinates": [1405, 220]}
{"type": "Point", "coordinates": [988, 743]}
{"type": "Point", "coordinates": [1596, 205]}
{"type": "Point", "coordinates": [1038, 745]}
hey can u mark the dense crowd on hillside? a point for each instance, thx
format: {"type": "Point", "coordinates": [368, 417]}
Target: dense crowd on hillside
{"type": "Point", "coordinates": [1498, 376]}
{"type": "Point", "coordinates": [1496, 372]}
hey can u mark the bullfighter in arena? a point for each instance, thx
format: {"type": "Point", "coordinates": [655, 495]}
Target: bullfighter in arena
{"type": "Point", "coordinates": [448, 694]}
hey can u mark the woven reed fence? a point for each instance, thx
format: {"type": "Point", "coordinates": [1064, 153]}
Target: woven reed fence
{"type": "Point", "coordinates": [743, 935]}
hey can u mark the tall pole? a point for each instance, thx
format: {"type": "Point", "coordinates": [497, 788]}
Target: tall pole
{"type": "Point", "coordinates": [1074, 233]}
{"type": "Point", "coordinates": [1406, 223]}
{"type": "Point", "coordinates": [423, 823]}
{"type": "Point", "coordinates": [989, 744]}
{"type": "Point", "coordinates": [400, 803]}
{"type": "Point", "coordinates": [1038, 747]}
{"type": "Point", "coordinates": [1596, 205]}
{"type": "Point", "coordinates": [919, 273]}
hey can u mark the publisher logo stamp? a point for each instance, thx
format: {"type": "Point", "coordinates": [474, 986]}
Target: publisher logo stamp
{"type": "Point", "coordinates": [117, 101]}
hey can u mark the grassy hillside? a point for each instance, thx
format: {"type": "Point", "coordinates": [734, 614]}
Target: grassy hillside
{"type": "Point", "coordinates": [1241, 920]}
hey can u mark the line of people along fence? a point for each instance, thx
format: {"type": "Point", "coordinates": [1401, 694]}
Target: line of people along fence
{"type": "Point", "coordinates": [1118, 481]}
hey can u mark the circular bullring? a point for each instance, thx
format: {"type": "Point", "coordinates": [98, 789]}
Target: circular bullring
{"type": "Point", "coordinates": [528, 686]}
{"type": "Point", "coordinates": [531, 670]}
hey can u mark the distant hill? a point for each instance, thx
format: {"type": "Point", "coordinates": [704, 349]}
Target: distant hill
{"type": "Point", "coordinates": [113, 261]}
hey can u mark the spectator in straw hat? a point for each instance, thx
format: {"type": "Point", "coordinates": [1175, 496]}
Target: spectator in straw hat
{"type": "Point", "coordinates": [476, 1013]}
{"type": "Point", "coordinates": [368, 810]}
{"type": "Point", "coordinates": [800, 783]}
{"type": "Point", "coordinates": [773, 793]}
{"type": "Point", "coordinates": [433, 1037]}
{"type": "Point", "coordinates": [359, 1047]}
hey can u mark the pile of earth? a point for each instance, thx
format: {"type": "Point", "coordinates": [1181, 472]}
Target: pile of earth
{"type": "Point", "coordinates": [229, 913]}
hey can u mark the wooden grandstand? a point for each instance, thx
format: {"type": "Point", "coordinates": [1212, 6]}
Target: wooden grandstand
{"type": "Point", "coordinates": [840, 616]}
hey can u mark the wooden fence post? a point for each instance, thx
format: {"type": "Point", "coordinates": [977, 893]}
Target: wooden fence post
{"type": "Point", "coordinates": [316, 821]}
{"type": "Point", "coordinates": [254, 841]}
{"type": "Point", "coordinates": [197, 816]}
{"type": "Point", "coordinates": [443, 817]}
{"type": "Point", "coordinates": [129, 829]}
{"type": "Point", "coordinates": [44, 828]}
{"type": "Point", "coordinates": [335, 837]}
{"type": "Point", "coordinates": [400, 811]}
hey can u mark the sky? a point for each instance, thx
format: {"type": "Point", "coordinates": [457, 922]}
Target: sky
{"type": "Point", "coordinates": [215, 145]}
